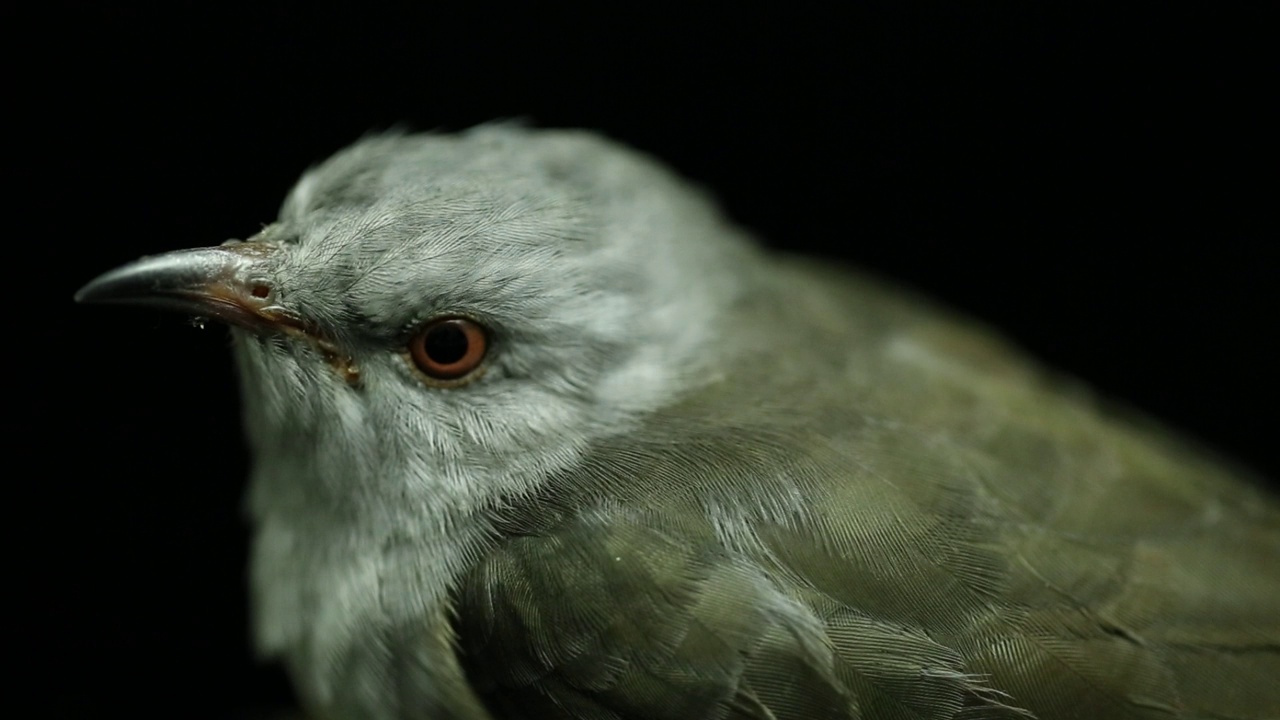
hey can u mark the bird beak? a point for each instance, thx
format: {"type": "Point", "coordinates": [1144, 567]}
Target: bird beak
{"type": "Point", "coordinates": [227, 283]}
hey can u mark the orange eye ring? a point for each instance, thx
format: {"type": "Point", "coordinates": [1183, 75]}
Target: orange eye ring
{"type": "Point", "coordinates": [448, 348]}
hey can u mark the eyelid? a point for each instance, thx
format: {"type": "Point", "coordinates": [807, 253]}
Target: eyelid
{"type": "Point", "coordinates": [409, 329]}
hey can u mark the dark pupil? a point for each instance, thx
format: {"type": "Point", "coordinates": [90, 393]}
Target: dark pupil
{"type": "Point", "coordinates": [445, 344]}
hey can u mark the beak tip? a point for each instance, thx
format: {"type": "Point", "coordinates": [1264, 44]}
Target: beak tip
{"type": "Point", "coordinates": [113, 285]}
{"type": "Point", "coordinates": [89, 293]}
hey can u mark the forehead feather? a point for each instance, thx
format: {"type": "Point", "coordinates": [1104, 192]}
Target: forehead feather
{"type": "Point", "coordinates": [428, 165]}
{"type": "Point", "coordinates": [388, 224]}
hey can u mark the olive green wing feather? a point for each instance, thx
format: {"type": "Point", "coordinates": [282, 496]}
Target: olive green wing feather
{"type": "Point", "coordinates": [609, 619]}
{"type": "Point", "coordinates": [631, 616]}
{"type": "Point", "coordinates": [1097, 565]}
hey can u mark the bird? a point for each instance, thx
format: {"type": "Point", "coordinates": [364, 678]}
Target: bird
{"type": "Point", "coordinates": [539, 433]}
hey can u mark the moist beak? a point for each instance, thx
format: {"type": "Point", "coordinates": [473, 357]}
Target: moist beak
{"type": "Point", "coordinates": [226, 283]}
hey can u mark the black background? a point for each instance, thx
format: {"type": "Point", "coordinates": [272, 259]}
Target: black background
{"type": "Point", "coordinates": [1089, 179]}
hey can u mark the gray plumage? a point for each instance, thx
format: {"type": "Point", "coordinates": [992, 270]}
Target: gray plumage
{"type": "Point", "coordinates": [694, 479]}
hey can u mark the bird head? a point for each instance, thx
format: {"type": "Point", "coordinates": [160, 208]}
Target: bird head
{"type": "Point", "coordinates": [455, 314]}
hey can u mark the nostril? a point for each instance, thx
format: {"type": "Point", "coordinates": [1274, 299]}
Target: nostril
{"type": "Point", "coordinates": [260, 291]}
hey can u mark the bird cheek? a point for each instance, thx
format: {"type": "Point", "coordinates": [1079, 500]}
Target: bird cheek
{"type": "Point", "coordinates": [272, 350]}
{"type": "Point", "coordinates": [348, 370]}
{"type": "Point", "coordinates": [341, 362]}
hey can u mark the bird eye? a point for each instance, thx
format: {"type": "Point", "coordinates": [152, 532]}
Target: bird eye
{"type": "Point", "coordinates": [448, 348]}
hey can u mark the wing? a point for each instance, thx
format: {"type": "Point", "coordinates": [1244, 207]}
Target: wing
{"type": "Point", "coordinates": [911, 522]}
{"type": "Point", "coordinates": [624, 615]}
